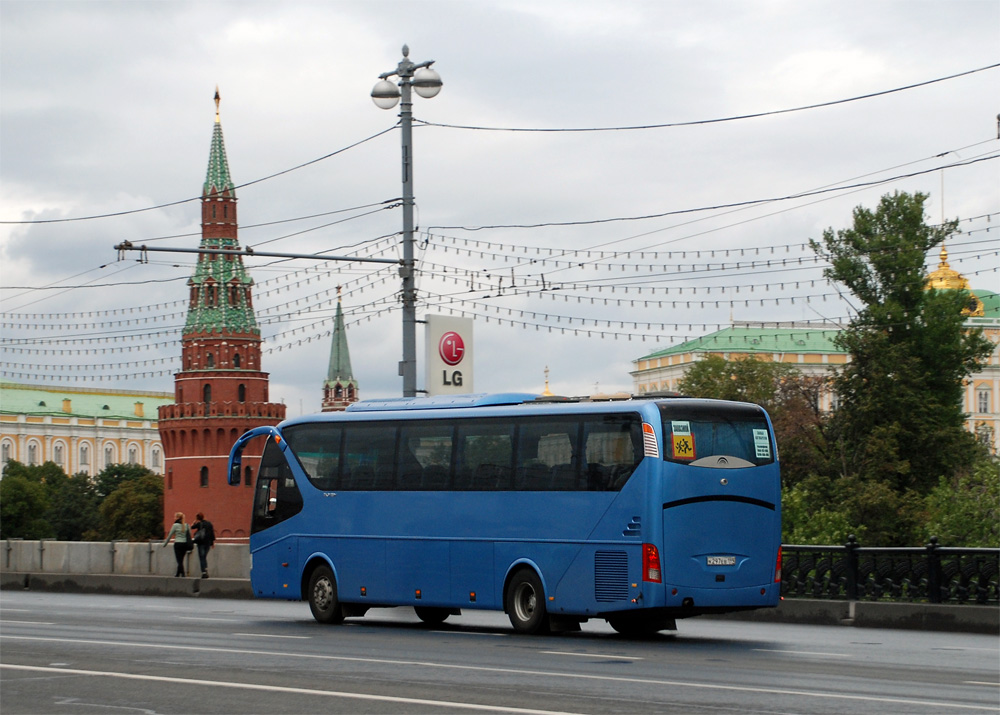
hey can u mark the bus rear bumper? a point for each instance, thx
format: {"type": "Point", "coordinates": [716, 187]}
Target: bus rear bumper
{"type": "Point", "coordinates": [685, 601]}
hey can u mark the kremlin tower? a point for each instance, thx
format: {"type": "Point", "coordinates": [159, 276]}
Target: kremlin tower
{"type": "Point", "coordinates": [220, 392]}
{"type": "Point", "coordinates": [340, 388]}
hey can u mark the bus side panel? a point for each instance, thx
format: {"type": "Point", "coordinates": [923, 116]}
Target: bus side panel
{"type": "Point", "coordinates": [472, 575]}
{"type": "Point", "coordinates": [552, 559]}
{"type": "Point", "coordinates": [419, 570]}
{"type": "Point", "coordinates": [359, 563]}
{"type": "Point", "coordinates": [602, 578]}
{"type": "Point", "coordinates": [272, 573]}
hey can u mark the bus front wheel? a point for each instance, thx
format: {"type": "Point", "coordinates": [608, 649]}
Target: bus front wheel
{"type": "Point", "coordinates": [323, 601]}
{"type": "Point", "coordinates": [524, 602]}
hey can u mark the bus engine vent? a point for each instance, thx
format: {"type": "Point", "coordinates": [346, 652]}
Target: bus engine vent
{"type": "Point", "coordinates": [611, 576]}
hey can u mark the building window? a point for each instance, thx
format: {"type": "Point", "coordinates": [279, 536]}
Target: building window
{"type": "Point", "coordinates": [242, 393]}
{"type": "Point", "coordinates": [57, 455]}
{"type": "Point", "coordinates": [210, 360]}
{"type": "Point", "coordinates": [207, 393]}
{"type": "Point", "coordinates": [132, 455]}
{"type": "Point", "coordinates": [32, 454]}
{"type": "Point", "coordinates": [156, 458]}
{"type": "Point", "coordinates": [236, 360]}
{"type": "Point", "coordinates": [5, 453]}
{"type": "Point", "coordinates": [247, 476]}
{"type": "Point", "coordinates": [84, 459]}
{"type": "Point", "coordinates": [109, 456]}
{"type": "Point", "coordinates": [983, 400]}
{"type": "Point", "coordinates": [204, 476]}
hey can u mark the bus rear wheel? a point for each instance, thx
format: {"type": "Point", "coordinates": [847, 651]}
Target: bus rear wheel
{"type": "Point", "coordinates": [432, 616]}
{"type": "Point", "coordinates": [641, 627]}
{"type": "Point", "coordinates": [323, 601]}
{"type": "Point", "coordinates": [524, 602]}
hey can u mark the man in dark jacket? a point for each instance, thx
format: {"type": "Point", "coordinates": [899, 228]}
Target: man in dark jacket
{"type": "Point", "coordinates": [204, 539]}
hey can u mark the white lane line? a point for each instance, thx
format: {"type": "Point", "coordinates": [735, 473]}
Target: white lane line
{"type": "Point", "coordinates": [590, 655]}
{"type": "Point", "coordinates": [202, 618]}
{"type": "Point", "coordinates": [801, 652]}
{"type": "Point", "coordinates": [285, 689]}
{"type": "Point", "coordinates": [27, 623]}
{"type": "Point", "coordinates": [270, 635]}
{"type": "Point", "coordinates": [4, 609]}
{"type": "Point", "coordinates": [471, 633]}
{"type": "Point", "coordinates": [980, 682]}
{"type": "Point", "coordinates": [517, 671]}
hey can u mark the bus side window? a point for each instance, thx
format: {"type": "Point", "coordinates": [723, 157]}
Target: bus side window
{"type": "Point", "coordinates": [369, 457]}
{"type": "Point", "coordinates": [614, 450]}
{"type": "Point", "coordinates": [485, 450]}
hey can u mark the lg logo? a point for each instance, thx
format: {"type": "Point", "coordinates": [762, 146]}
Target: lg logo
{"type": "Point", "coordinates": [451, 348]}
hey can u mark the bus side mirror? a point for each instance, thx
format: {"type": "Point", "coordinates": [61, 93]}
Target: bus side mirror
{"type": "Point", "coordinates": [234, 471]}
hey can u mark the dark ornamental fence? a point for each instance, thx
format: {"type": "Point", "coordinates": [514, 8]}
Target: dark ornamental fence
{"type": "Point", "coordinates": [929, 574]}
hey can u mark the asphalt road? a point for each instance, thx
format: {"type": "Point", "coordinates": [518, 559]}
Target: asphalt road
{"type": "Point", "coordinates": [69, 653]}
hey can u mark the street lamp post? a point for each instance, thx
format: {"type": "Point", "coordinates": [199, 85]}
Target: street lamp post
{"type": "Point", "coordinates": [426, 83]}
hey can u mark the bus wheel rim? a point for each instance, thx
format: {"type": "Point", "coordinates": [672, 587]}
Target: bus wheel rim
{"type": "Point", "coordinates": [323, 594]}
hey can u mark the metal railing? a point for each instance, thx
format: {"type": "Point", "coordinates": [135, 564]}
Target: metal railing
{"type": "Point", "coordinates": [928, 574]}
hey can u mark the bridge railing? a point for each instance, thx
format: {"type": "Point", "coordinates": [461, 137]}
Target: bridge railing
{"type": "Point", "coordinates": [928, 574]}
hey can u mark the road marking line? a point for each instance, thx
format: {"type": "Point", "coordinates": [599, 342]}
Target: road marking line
{"type": "Point", "coordinates": [516, 671]}
{"type": "Point", "coordinates": [471, 633]}
{"type": "Point", "coordinates": [270, 635]}
{"type": "Point", "coordinates": [199, 618]}
{"type": "Point", "coordinates": [980, 682]}
{"type": "Point", "coordinates": [285, 689]}
{"type": "Point", "coordinates": [28, 623]}
{"type": "Point", "coordinates": [590, 655]}
{"type": "Point", "coordinates": [801, 652]}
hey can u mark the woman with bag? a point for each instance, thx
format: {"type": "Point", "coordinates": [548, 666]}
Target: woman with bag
{"type": "Point", "coordinates": [181, 534]}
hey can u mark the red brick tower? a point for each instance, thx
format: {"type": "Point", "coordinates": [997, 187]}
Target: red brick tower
{"type": "Point", "coordinates": [220, 391]}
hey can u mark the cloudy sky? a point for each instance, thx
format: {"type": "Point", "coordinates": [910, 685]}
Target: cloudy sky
{"type": "Point", "coordinates": [106, 109]}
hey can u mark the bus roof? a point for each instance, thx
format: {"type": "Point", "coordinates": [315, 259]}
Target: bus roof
{"type": "Point", "coordinates": [441, 402]}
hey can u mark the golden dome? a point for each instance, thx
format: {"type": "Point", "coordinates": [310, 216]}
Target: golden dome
{"type": "Point", "coordinates": [947, 278]}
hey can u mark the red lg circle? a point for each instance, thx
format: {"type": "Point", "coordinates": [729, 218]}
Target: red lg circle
{"type": "Point", "coordinates": [451, 348]}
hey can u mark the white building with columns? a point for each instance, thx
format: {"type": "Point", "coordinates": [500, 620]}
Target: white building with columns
{"type": "Point", "coordinates": [80, 429]}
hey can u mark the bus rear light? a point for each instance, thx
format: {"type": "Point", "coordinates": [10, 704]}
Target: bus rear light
{"type": "Point", "coordinates": [649, 446]}
{"type": "Point", "coordinates": [777, 567]}
{"type": "Point", "coordinates": [651, 564]}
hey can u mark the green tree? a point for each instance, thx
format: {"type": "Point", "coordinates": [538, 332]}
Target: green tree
{"type": "Point", "coordinates": [134, 511]}
{"type": "Point", "coordinates": [115, 475]}
{"type": "Point", "coordinates": [900, 419]}
{"type": "Point", "coordinates": [23, 502]}
{"type": "Point", "coordinates": [73, 508]}
{"type": "Point", "coordinates": [965, 510]}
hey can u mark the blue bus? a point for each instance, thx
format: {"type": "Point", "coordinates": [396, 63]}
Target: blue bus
{"type": "Point", "coordinates": [637, 511]}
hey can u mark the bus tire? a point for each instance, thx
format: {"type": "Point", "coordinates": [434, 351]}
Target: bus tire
{"type": "Point", "coordinates": [323, 601]}
{"type": "Point", "coordinates": [432, 616]}
{"type": "Point", "coordinates": [639, 627]}
{"type": "Point", "coordinates": [524, 601]}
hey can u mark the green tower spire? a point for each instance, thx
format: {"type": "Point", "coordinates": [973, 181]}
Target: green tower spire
{"type": "Point", "coordinates": [221, 300]}
{"type": "Point", "coordinates": [340, 356]}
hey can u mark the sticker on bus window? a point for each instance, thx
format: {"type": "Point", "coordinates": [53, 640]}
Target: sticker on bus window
{"type": "Point", "coordinates": [681, 440]}
{"type": "Point", "coordinates": [762, 445]}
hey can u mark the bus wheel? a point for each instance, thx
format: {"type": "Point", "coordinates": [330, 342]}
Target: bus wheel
{"type": "Point", "coordinates": [641, 627]}
{"type": "Point", "coordinates": [323, 599]}
{"type": "Point", "coordinates": [433, 616]}
{"type": "Point", "coordinates": [524, 602]}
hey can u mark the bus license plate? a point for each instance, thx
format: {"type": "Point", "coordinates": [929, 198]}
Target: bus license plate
{"type": "Point", "coordinates": [721, 560]}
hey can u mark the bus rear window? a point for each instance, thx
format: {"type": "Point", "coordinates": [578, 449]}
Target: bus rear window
{"type": "Point", "coordinates": [721, 435]}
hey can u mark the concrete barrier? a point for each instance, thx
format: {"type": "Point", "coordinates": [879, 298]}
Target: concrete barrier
{"type": "Point", "coordinates": [119, 557]}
